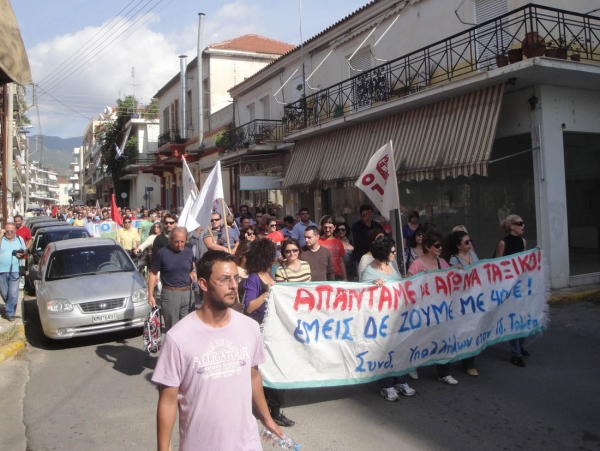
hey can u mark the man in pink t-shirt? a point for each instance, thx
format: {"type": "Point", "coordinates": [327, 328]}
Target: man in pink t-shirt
{"type": "Point", "coordinates": [208, 368]}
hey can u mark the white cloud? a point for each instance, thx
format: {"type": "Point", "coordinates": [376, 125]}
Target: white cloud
{"type": "Point", "coordinates": [102, 71]}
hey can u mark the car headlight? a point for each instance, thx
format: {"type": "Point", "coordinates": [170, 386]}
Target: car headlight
{"type": "Point", "coordinates": [139, 295]}
{"type": "Point", "coordinates": [59, 306]}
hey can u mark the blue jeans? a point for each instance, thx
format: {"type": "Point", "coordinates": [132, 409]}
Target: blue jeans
{"type": "Point", "coordinates": [9, 290]}
{"type": "Point", "coordinates": [516, 345]}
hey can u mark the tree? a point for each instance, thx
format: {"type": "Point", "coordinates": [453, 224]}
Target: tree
{"type": "Point", "coordinates": [110, 135]}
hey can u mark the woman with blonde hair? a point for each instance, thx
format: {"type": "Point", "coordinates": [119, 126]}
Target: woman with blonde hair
{"type": "Point", "coordinates": [513, 243]}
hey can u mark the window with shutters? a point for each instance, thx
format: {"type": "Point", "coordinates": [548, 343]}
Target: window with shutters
{"type": "Point", "coordinates": [188, 111]}
{"type": "Point", "coordinates": [491, 41]}
{"type": "Point", "coordinates": [251, 112]}
{"type": "Point", "coordinates": [165, 120]}
{"type": "Point", "coordinates": [266, 107]}
{"type": "Point", "coordinates": [368, 87]}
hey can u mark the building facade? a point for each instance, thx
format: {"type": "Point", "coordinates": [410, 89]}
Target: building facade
{"type": "Point", "coordinates": [491, 106]}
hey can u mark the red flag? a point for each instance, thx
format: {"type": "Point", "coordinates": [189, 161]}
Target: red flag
{"type": "Point", "coordinates": [114, 211]}
{"type": "Point", "coordinates": [54, 212]}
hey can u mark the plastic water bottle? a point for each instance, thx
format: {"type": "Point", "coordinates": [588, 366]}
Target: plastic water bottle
{"type": "Point", "coordinates": [273, 440]}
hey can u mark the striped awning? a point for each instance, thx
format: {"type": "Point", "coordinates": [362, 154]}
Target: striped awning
{"type": "Point", "coordinates": [14, 64]}
{"type": "Point", "coordinates": [447, 139]}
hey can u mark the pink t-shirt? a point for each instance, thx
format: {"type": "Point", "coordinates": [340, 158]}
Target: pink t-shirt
{"type": "Point", "coordinates": [417, 267]}
{"type": "Point", "coordinates": [211, 367]}
{"type": "Point", "coordinates": [336, 247]}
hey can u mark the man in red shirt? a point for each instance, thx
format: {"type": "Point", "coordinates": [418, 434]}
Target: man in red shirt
{"type": "Point", "coordinates": [22, 230]}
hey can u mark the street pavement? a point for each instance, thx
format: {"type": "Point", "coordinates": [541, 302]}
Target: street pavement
{"type": "Point", "coordinates": [95, 394]}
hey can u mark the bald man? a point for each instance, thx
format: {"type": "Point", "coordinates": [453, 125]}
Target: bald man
{"type": "Point", "coordinates": [175, 263]}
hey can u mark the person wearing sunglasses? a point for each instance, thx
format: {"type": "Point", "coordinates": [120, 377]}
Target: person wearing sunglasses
{"type": "Point", "coordinates": [248, 233]}
{"type": "Point", "coordinates": [460, 249]}
{"type": "Point", "coordinates": [215, 237]}
{"type": "Point", "coordinates": [292, 269]}
{"type": "Point", "coordinates": [162, 240]}
{"type": "Point", "coordinates": [127, 236]}
{"type": "Point", "coordinates": [513, 243]}
{"type": "Point", "coordinates": [379, 271]}
{"type": "Point", "coordinates": [431, 261]}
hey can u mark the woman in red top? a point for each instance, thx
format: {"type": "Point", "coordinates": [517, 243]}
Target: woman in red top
{"type": "Point", "coordinates": [333, 245]}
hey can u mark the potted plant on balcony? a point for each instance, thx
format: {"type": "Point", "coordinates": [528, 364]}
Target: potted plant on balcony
{"type": "Point", "coordinates": [533, 45]}
{"type": "Point", "coordinates": [501, 57]}
{"type": "Point", "coordinates": [515, 53]}
{"type": "Point", "coordinates": [557, 49]}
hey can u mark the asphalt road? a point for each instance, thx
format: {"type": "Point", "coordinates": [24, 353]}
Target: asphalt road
{"type": "Point", "coordinates": [95, 394]}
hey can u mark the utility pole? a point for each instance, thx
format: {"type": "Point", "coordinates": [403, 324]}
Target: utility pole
{"type": "Point", "coordinates": [5, 142]}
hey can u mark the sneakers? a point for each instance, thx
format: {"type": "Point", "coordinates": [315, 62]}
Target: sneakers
{"type": "Point", "coordinates": [448, 380]}
{"type": "Point", "coordinates": [472, 372]}
{"type": "Point", "coordinates": [413, 374]}
{"type": "Point", "coordinates": [518, 361]}
{"type": "Point", "coordinates": [282, 420]}
{"type": "Point", "coordinates": [404, 389]}
{"type": "Point", "coordinates": [524, 352]}
{"type": "Point", "coordinates": [390, 394]}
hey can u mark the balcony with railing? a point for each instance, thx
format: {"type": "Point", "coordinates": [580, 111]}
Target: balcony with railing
{"type": "Point", "coordinates": [528, 31]}
{"type": "Point", "coordinates": [256, 132]}
{"type": "Point", "coordinates": [44, 182]}
{"type": "Point", "coordinates": [172, 136]}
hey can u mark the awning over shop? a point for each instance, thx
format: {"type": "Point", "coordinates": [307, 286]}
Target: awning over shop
{"type": "Point", "coordinates": [14, 65]}
{"type": "Point", "coordinates": [446, 139]}
{"type": "Point", "coordinates": [255, 183]}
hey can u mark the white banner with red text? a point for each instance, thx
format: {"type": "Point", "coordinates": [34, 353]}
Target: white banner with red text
{"type": "Point", "coordinates": [328, 334]}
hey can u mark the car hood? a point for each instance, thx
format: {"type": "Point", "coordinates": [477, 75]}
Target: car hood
{"type": "Point", "coordinates": [95, 287]}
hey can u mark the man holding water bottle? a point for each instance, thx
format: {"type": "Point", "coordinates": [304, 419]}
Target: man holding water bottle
{"type": "Point", "coordinates": [208, 369]}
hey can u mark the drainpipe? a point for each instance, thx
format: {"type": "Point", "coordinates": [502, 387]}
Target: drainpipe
{"type": "Point", "coordinates": [200, 82]}
{"type": "Point", "coordinates": [183, 82]}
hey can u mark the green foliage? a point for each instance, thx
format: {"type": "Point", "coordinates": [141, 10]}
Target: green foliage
{"type": "Point", "coordinates": [151, 110]}
{"type": "Point", "coordinates": [113, 133]}
{"type": "Point", "coordinates": [223, 138]}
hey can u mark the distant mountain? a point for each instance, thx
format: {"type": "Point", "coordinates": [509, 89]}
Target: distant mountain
{"type": "Point", "coordinates": [58, 152]}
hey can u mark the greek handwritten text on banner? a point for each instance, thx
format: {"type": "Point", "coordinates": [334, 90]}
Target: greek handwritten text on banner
{"type": "Point", "coordinates": [349, 333]}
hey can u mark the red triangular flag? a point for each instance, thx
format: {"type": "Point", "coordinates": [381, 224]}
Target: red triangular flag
{"type": "Point", "coordinates": [54, 211]}
{"type": "Point", "coordinates": [114, 211]}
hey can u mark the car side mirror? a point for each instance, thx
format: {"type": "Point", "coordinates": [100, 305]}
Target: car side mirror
{"type": "Point", "coordinates": [34, 273]}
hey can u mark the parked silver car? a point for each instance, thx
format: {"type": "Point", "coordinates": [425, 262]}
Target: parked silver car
{"type": "Point", "coordinates": [88, 286]}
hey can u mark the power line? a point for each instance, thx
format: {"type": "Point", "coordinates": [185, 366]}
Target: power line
{"type": "Point", "coordinates": [103, 47]}
{"type": "Point", "coordinates": [77, 112]}
{"type": "Point", "coordinates": [100, 31]}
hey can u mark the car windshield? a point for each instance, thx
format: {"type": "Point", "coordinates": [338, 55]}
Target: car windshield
{"type": "Point", "coordinates": [44, 239]}
{"type": "Point", "coordinates": [68, 263]}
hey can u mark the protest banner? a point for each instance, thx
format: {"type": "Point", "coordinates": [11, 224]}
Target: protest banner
{"type": "Point", "coordinates": [328, 334]}
{"type": "Point", "coordinates": [106, 229]}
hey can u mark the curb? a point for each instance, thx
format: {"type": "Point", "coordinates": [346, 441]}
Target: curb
{"type": "Point", "coordinates": [11, 349]}
{"type": "Point", "coordinates": [586, 295]}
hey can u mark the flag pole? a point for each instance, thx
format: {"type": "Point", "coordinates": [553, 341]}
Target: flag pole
{"type": "Point", "coordinates": [225, 224]}
{"type": "Point", "coordinates": [399, 218]}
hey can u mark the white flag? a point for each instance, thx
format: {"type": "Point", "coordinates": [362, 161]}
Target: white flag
{"type": "Point", "coordinates": [206, 203]}
{"type": "Point", "coordinates": [185, 214]}
{"type": "Point", "coordinates": [378, 181]}
{"type": "Point", "coordinates": [119, 152]}
{"type": "Point", "coordinates": [187, 180]}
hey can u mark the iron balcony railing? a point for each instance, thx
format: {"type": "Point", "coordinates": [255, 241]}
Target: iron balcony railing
{"type": "Point", "coordinates": [531, 30]}
{"type": "Point", "coordinates": [171, 136]}
{"type": "Point", "coordinates": [143, 160]}
{"type": "Point", "coordinates": [258, 131]}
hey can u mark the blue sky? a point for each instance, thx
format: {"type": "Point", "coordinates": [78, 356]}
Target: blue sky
{"type": "Point", "coordinates": [97, 64]}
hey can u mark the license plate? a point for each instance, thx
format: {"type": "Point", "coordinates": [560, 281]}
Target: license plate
{"type": "Point", "coordinates": [104, 318]}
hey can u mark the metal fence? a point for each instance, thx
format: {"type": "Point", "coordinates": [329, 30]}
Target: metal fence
{"type": "Point", "coordinates": [171, 136]}
{"type": "Point", "coordinates": [258, 131]}
{"type": "Point", "coordinates": [528, 31]}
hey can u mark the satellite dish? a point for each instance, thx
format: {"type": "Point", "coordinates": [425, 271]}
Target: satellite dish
{"type": "Point", "coordinates": [124, 195]}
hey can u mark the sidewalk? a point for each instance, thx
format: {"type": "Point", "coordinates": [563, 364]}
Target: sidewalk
{"type": "Point", "coordinates": [18, 342]}
{"type": "Point", "coordinates": [574, 294]}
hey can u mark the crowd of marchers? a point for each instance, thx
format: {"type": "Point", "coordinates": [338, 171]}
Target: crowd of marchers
{"type": "Point", "coordinates": [213, 284]}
